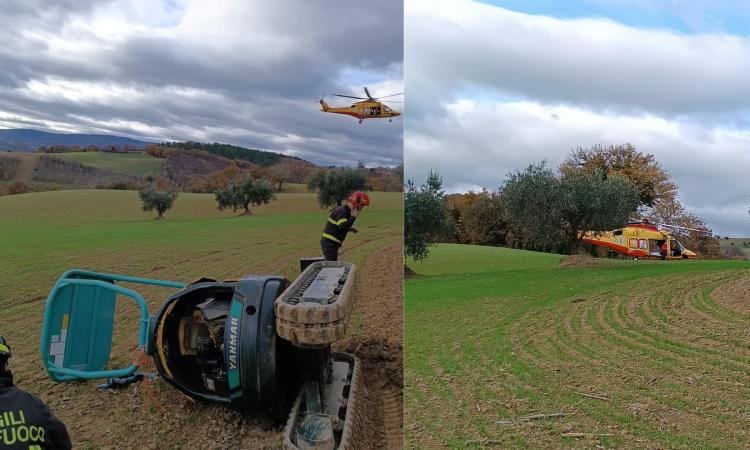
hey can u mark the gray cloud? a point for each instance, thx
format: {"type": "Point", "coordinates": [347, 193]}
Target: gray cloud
{"type": "Point", "coordinates": [492, 91]}
{"type": "Point", "coordinates": [244, 72]}
{"type": "Point", "coordinates": [595, 63]}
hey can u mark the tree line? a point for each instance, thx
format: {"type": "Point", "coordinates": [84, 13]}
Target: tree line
{"type": "Point", "coordinates": [239, 193]}
{"type": "Point", "coordinates": [260, 157]}
{"type": "Point", "coordinates": [195, 170]}
{"type": "Point", "coordinates": [88, 149]}
{"type": "Point", "coordinates": [599, 188]}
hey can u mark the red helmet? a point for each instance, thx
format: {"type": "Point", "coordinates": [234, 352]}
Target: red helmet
{"type": "Point", "coordinates": [359, 199]}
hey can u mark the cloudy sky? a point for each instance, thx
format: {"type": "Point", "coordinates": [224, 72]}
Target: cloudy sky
{"type": "Point", "coordinates": [496, 86]}
{"type": "Point", "coordinates": [243, 72]}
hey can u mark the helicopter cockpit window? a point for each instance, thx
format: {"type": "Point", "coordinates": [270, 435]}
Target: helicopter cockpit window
{"type": "Point", "coordinates": [387, 108]}
{"type": "Point", "coordinates": [677, 248]}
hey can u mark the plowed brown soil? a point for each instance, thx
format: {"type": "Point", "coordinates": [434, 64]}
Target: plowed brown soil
{"type": "Point", "coordinates": [155, 415]}
{"type": "Point", "coordinates": [379, 348]}
{"type": "Point", "coordinates": [378, 345]}
{"type": "Point", "coordinates": [578, 261]}
{"type": "Point", "coordinates": [734, 295]}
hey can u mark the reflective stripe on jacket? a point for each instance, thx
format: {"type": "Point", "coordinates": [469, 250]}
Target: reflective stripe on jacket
{"type": "Point", "coordinates": [338, 224]}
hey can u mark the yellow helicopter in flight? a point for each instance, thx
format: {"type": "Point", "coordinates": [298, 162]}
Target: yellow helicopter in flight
{"type": "Point", "coordinates": [643, 239]}
{"type": "Point", "coordinates": [367, 108]}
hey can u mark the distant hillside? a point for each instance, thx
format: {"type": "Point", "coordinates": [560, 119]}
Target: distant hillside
{"type": "Point", "coordinates": [260, 157]}
{"type": "Point", "coordinates": [26, 140]}
{"type": "Point", "coordinates": [741, 245]}
{"type": "Point", "coordinates": [131, 163]}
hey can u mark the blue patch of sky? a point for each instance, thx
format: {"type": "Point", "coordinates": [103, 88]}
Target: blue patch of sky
{"type": "Point", "coordinates": [684, 16]}
{"type": "Point", "coordinates": [160, 14]}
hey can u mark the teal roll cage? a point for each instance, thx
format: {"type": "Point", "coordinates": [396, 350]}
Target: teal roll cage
{"type": "Point", "coordinates": [79, 322]}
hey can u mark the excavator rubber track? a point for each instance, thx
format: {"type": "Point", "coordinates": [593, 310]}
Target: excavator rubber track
{"type": "Point", "coordinates": [346, 412]}
{"type": "Point", "coordinates": [314, 311]}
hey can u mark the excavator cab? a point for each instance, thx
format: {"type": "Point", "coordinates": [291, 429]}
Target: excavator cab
{"type": "Point", "coordinates": [79, 322]}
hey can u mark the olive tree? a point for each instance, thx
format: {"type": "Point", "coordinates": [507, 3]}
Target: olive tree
{"type": "Point", "coordinates": [159, 200]}
{"type": "Point", "coordinates": [552, 212]}
{"type": "Point", "coordinates": [244, 193]}
{"type": "Point", "coordinates": [333, 186]}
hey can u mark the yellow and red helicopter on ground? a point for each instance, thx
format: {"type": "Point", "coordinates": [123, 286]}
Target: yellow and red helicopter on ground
{"type": "Point", "coordinates": [643, 239]}
{"type": "Point", "coordinates": [368, 108]}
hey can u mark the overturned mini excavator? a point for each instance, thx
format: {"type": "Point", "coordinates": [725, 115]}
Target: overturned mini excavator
{"type": "Point", "coordinates": [260, 344]}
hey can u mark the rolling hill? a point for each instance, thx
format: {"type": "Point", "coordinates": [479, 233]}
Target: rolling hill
{"type": "Point", "coordinates": [743, 244]}
{"type": "Point", "coordinates": [263, 158]}
{"type": "Point", "coordinates": [27, 140]}
{"type": "Point", "coordinates": [132, 163]}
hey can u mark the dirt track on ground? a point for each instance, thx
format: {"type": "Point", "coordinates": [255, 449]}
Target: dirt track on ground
{"type": "Point", "coordinates": [25, 171]}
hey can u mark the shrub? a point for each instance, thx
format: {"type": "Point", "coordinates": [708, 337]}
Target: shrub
{"type": "Point", "coordinates": [123, 186]}
{"type": "Point", "coordinates": [18, 187]}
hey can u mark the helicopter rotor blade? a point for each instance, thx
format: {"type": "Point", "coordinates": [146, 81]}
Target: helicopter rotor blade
{"type": "Point", "coordinates": [349, 96]}
{"type": "Point", "coordinates": [666, 225]}
{"type": "Point", "coordinates": [368, 94]}
{"type": "Point", "coordinates": [386, 96]}
{"type": "Point", "coordinates": [390, 101]}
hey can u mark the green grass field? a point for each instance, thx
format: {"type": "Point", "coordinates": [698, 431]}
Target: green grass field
{"type": "Point", "coordinates": [44, 234]}
{"type": "Point", "coordinates": [294, 188]}
{"type": "Point", "coordinates": [494, 333]}
{"type": "Point", "coordinates": [741, 243]}
{"type": "Point", "coordinates": [134, 163]}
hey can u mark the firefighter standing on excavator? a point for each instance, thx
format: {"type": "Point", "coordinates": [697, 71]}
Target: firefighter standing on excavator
{"type": "Point", "coordinates": [340, 222]}
{"type": "Point", "coordinates": [25, 421]}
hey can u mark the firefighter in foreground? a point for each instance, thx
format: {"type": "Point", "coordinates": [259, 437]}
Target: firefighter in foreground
{"type": "Point", "coordinates": [25, 421]}
{"type": "Point", "coordinates": [340, 223]}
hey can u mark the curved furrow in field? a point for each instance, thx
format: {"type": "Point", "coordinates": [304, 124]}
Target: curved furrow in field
{"type": "Point", "coordinates": [568, 379]}
{"type": "Point", "coordinates": [695, 359]}
{"type": "Point", "coordinates": [654, 368]}
{"type": "Point", "coordinates": [674, 347]}
{"type": "Point", "coordinates": [735, 296]}
{"type": "Point", "coordinates": [613, 330]}
{"type": "Point", "coordinates": [690, 329]}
